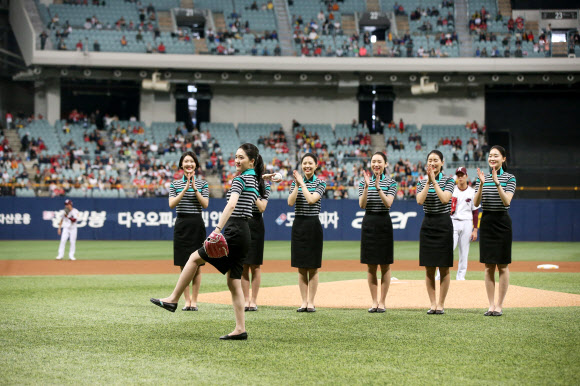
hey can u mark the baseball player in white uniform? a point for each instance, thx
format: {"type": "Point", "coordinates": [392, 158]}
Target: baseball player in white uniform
{"type": "Point", "coordinates": [464, 215]}
{"type": "Point", "coordinates": [68, 223]}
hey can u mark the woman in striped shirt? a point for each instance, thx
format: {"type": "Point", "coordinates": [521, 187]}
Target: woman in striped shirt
{"type": "Point", "coordinates": [376, 195]}
{"type": "Point", "coordinates": [495, 246]}
{"type": "Point", "coordinates": [246, 188]}
{"type": "Point", "coordinates": [189, 196]}
{"type": "Point", "coordinates": [436, 237]}
{"type": "Point", "coordinates": [255, 257]}
{"type": "Point", "coordinates": [306, 244]}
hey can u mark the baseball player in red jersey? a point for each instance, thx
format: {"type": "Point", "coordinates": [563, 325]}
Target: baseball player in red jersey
{"type": "Point", "coordinates": [68, 223]}
{"type": "Point", "coordinates": [464, 215]}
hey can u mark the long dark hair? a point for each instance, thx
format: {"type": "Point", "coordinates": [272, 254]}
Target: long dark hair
{"type": "Point", "coordinates": [503, 154]}
{"type": "Point", "coordinates": [438, 154]}
{"type": "Point", "coordinates": [192, 155]}
{"type": "Point", "coordinates": [384, 157]}
{"type": "Point", "coordinates": [254, 154]}
{"type": "Point", "coordinates": [313, 156]}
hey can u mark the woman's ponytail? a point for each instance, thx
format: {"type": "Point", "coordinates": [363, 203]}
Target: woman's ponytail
{"type": "Point", "coordinates": [259, 169]}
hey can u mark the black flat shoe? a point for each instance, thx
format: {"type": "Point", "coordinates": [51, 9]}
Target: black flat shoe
{"type": "Point", "coordinates": [373, 309]}
{"type": "Point", "coordinates": [488, 313]}
{"type": "Point", "coordinates": [242, 336]}
{"type": "Point", "coordinates": [246, 309]}
{"type": "Point", "coordinates": [193, 308]}
{"type": "Point", "coordinates": [431, 312]}
{"type": "Point", "coordinates": [301, 309]}
{"type": "Point", "coordinates": [313, 309]}
{"type": "Point", "coordinates": [253, 308]}
{"type": "Point", "coordinates": [497, 313]}
{"type": "Point", "coordinates": [168, 306]}
{"type": "Point", "coordinates": [185, 309]}
{"type": "Point", "coordinates": [439, 312]}
{"type": "Point", "coordinates": [381, 310]}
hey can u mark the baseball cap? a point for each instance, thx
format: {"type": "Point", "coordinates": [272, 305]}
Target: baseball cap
{"type": "Point", "coordinates": [461, 169]}
{"type": "Point", "coordinates": [66, 202]}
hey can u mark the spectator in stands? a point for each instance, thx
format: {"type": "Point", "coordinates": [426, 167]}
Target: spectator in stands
{"type": "Point", "coordinates": [96, 46]}
{"type": "Point", "coordinates": [161, 48]}
{"type": "Point", "coordinates": [139, 36]}
{"type": "Point", "coordinates": [149, 48]}
{"type": "Point", "coordinates": [43, 37]}
{"type": "Point", "coordinates": [79, 46]}
{"type": "Point", "coordinates": [401, 126]}
{"type": "Point", "coordinates": [277, 50]}
{"type": "Point", "coordinates": [123, 41]}
{"type": "Point", "coordinates": [519, 53]}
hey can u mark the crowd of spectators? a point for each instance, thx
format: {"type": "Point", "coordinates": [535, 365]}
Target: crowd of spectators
{"type": "Point", "coordinates": [224, 42]}
{"type": "Point", "coordinates": [62, 174]}
{"type": "Point", "coordinates": [151, 173]}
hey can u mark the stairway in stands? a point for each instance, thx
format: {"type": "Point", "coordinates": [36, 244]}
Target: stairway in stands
{"type": "Point", "coordinates": [284, 28]}
{"type": "Point", "coordinates": [165, 21]}
{"type": "Point", "coordinates": [200, 46]}
{"type": "Point", "coordinates": [378, 142]}
{"type": "Point", "coordinates": [505, 7]}
{"type": "Point", "coordinates": [373, 6]}
{"type": "Point", "coordinates": [220, 21]}
{"type": "Point", "coordinates": [402, 25]}
{"type": "Point", "coordinates": [462, 28]}
{"type": "Point", "coordinates": [348, 25]}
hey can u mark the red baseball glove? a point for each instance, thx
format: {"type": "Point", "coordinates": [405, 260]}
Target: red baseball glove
{"type": "Point", "coordinates": [216, 245]}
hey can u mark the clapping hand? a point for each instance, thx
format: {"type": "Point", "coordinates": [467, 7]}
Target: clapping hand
{"type": "Point", "coordinates": [481, 176]}
{"type": "Point", "coordinates": [378, 183]}
{"type": "Point", "coordinates": [494, 176]}
{"type": "Point", "coordinates": [431, 174]}
{"type": "Point", "coordinates": [367, 178]}
{"type": "Point", "coordinates": [297, 177]}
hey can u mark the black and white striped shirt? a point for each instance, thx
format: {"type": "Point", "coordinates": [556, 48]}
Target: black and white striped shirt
{"type": "Point", "coordinates": [374, 202]}
{"type": "Point", "coordinates": [189, 202]}
{"type": "Point", "coordinates": [314, 185]}
{"type": "Point", "coordinates": [433, 204]}
{"type": "Point", "coordinates": [246, 185]}
{"type": "Point", "coordinates": [490, 199]}
{"type": "Point", "coordinates": [255, 210]}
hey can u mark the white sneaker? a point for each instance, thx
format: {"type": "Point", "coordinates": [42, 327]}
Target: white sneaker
{"type": "Point", "coordinates": [459, 279]}
{"type": "Point", "coordinates": [71, 258]}
{"type": "Point", "coordinates": [59, 257]}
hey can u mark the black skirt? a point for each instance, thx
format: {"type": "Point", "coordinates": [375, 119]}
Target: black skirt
{"type": "Point", "coordinates": [495, 240]}
{"type": "Point", "coordinates": [188, 236]}
{"type": "Point", "coordinates": [436, 241]}
{"type": "Point", "coordinates": [376, 241]}
{"type": "Point", "coordinates": [306, 245]}
{"type": "Point", "coordinates": [237, 235]}
{"type": "Point", "coordinates": [256, 252]}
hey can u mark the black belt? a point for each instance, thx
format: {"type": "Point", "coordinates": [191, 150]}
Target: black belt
{"type": "Point", "coordinates": [188, 215]}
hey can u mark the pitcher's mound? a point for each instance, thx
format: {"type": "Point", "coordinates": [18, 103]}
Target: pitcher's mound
{"type": "Point", "coordinates": [402, 294]}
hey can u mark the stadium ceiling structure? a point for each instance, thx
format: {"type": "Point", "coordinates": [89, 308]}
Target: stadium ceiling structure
{"type": "Point", "coordinates": [275, 78]}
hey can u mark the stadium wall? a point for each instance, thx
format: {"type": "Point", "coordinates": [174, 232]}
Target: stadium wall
{"type": "Point", "coordinates": [151, 219]}
{"type": "Point", "coordinates": [448, 108]}
{"type": "Point", "coordinates": [156, 106]}
{"type": "Point", "coordinates": [268, 104]}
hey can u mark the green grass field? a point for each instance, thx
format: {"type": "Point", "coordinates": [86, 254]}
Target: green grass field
{"type": "Point", "coordinates": [274, 250]}
{"type": "Point", "coordinates": [103, 330]}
